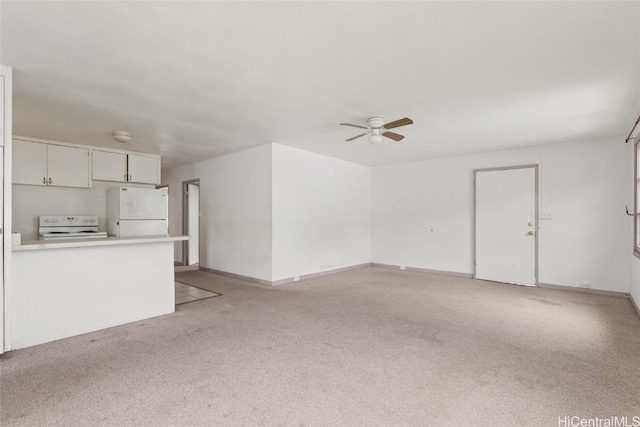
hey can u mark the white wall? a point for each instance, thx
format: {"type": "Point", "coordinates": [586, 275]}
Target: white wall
{"type": "Point", "coordinates": [29, 202]}
{"type": "Point", "coordinates": [173, 178]}
{"type": "Point", "coordinates": [274, 212]}
{"type": "Point", "coordinates": [587, 186]}
{"type": "Point", "coordinates": [422, 212]}
{"type": "Point", "coordinates": [321, 213]}
{"type": "Point", "coordinates": [235, 201]}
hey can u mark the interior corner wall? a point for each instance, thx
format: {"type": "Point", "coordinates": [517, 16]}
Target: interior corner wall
{"type": "Point", "coordinates": [235, 206]}
{"type": "Point", "coordinates": [321, 213]}
{"type": "Point", "coordinates": [422, 212]}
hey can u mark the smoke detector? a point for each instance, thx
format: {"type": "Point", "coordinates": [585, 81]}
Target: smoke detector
{"type": "Point", "coordinates": [121, 136]}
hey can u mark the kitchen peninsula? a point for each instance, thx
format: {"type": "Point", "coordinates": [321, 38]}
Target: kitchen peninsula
{"type": "Point", "coordinates": [66, 288]}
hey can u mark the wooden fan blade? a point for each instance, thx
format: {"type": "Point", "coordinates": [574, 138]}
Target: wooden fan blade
{"type": "Point", "coordinates": [398, 123]}
{"type": "Point", "coordinates": [393, 135]}
{"type": "Point", "coordinates": [356, 137]}
{"type": "Point", "coordinates": [355, 126]}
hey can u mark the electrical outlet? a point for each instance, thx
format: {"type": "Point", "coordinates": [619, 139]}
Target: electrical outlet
{"type": "Point", "coordinates": [297, 278]}
{"type": "Point", "coordinates": [585, 285]}
{"type": "Point", "coordinates": [402, 267]}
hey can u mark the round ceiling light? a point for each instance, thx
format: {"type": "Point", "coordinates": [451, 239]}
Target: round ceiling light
{"type": "Point", "coordinates": [375, 138]}
{"type": "Point", "coordinates": [121, 136]}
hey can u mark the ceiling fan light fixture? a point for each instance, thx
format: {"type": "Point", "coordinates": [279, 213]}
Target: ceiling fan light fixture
{"type": "Point", "coordinates": [121, 136]}
{"type": "Point", "coordinates": [375, 138]}
{"type": "Point", "coordinates": [376, 128]}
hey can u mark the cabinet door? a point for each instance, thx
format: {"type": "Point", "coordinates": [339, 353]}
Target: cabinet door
{"type": "Point", "coordinates": [109, 166]}
{"type": "Point", "coordinates": [68, 166]}
{"type": "Point", "coordinates": [143, 169]}
{"type": "Point", "coordinates": [29, 162]}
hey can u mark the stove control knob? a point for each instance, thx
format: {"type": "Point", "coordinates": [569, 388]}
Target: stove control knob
{"type": "Point", "coordinates": [85, 220]}
{"type": "Point", "coordinates": [92, 220]}
{"type": "Point", "coordinates": [55, 220]}
{"type": "Point", "coordinates": [47, 221]}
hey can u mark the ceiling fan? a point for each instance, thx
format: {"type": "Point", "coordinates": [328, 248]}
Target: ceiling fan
{"type": "Point", "coordinates": [377, 128]}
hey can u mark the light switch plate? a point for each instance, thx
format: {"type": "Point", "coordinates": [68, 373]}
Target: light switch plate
{"type": "Point", "coordinates": [545, 215]}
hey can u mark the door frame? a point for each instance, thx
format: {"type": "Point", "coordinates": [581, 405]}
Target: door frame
{"type": "Point", "coordinates": [537, 213]}
{"type": "Point", "coordinates": [185, 207]}
{"type": "Point", "coordinates": [6, 286]}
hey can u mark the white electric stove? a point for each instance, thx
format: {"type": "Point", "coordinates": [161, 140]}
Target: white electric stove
{"type": "Point", "coordinates": [69, 227]}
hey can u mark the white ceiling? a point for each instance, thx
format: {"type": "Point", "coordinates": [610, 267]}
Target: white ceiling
{"type": "Point", "coordinates": [198, 80]}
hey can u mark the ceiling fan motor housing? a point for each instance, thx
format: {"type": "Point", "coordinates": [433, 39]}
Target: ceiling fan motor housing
{"type": "Point", "coordinates": [376, 129]}
{"type": "Point", "coordinates": [375, 123]}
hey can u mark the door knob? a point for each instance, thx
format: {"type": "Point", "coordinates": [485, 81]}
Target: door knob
{"type": "Point", "coordinates": [530, 233]}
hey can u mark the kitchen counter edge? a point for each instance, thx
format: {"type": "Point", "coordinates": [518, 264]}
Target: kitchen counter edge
{"type": "Point", "coordinates": [33, 245]}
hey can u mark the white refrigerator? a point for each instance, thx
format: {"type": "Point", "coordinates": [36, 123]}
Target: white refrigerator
{"type": "Point", "coordinates": [133, 211]}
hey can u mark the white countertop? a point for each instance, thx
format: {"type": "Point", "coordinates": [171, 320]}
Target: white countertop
{"type": "Point", "coordinates": [33, 245]}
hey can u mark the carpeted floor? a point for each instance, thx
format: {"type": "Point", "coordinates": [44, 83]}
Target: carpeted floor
{"type": "Point", "coordinates": [366, 347]}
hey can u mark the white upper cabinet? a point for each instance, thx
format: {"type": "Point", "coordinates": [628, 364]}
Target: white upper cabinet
{"type": "Point", "coordinates": [29, 162]}
{"type": "Point", "coordinates": [109, 166]}
{"type": "Point", "coordinates": [123, 167]}
{"type": "Point", "coordinates": [36, 163]}
{"type": "Point", "coordinates": [143, 169]}
{"type": "Point", "coordinates": [68, 166]}
{"type": "Point", "coordinates": [41, 162]}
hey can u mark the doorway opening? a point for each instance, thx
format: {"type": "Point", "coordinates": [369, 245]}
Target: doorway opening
{"type": "Point", "coordinates": [191, 223]}
{"type": "Point", "coordinates": [506, 225]}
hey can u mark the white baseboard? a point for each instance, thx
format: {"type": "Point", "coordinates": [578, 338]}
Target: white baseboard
{"type": "Point", "coordinates": [287, 280]}
{"type": "Point", "coordinates": [423, 270]}
{"type": "Point", "coordinates": [236, 276]}
{"type": "Point", "coordinates": [426, 270]}
{"type": "Point", "coordinates": [319, 274]}
{"type": "Point", "coordinates": [583, 290]}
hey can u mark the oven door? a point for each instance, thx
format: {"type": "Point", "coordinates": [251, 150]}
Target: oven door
{"type": "Point", "coordinates": [55, 235]}
{"type": "Point", "coordinates": [72, 235]}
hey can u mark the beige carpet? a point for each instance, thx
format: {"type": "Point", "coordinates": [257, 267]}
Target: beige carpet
{"type": "Point", "coordinates": [366, 347]}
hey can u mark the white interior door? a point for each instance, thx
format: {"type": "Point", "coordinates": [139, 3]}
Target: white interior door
{"type": "Point", "coordinates": [193, 223]}
{"type": "Point", "coordinates": [506, 225]}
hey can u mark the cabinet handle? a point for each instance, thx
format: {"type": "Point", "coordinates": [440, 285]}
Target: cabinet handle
{"type": "Point", "coordinates": [50, 180]}
{"type": "Point", "coordinates": [130, 179]}
{"type": "Point", "coordinates": [44, 180]}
